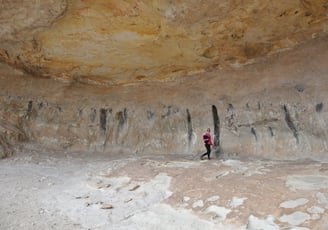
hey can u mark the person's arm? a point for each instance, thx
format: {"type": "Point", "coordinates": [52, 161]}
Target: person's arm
{"type": "Point", "coordinates": [210, 140]}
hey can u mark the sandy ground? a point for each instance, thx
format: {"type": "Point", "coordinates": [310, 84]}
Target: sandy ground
{"type": "Point", "coordinates": [58, 190]}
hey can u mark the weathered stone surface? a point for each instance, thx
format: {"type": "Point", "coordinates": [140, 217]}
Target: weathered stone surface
{"type": "Point", "coordinates": [253, 68]}
{"type": "Point", "coordinates": [274, 109]}
{"type": "Point", "coordinates": [129, 41]}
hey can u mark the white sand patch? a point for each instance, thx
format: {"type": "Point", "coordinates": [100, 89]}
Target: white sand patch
{"type": "Point", "coordinates": [213, 198]}
{"type": "Point", "coordinates": [315, 217]}
{"type": "Point", "coordinates": [233, 163]}
{"type": "Point", "coordinates": [237, 166]}
{"type": "Point", "coordinates": [255, 223]}
{"type": "Point", "coordinates": [235, 202]}
{"type": "Point", "coordinates": [126, 199]}
{"type": "Point", "coordinates": [307, 182]}
{"type": "Point", "coordinates": [322, 199]}
{"type": "Point", "coordinates": [115, 164]}
{"type": "Point", "coordinates": [180, 164]}
{"type": "Point", "coordinates": [294, 203]}
{"type": "Point", "coordinates": [186, 199]}
{"type": "Point", "coordinates": [295, 218]}
{"type": "Point", "coordinates": [298, 228]}
{"type": "Point", "coordinates": [220, 213]}
{"type": "Point", "coordinates": [256, 169]}
{"type": "Point", "coordinates": [316, 210]}
{"type": "Point", "coordinates": [164, 217]}
{"type": "Point", "coordinates": [198, 204]}
{"type": "Point", "coordinates": [103, 183]}
{"type": "Point", "coordinates": [245, 169]}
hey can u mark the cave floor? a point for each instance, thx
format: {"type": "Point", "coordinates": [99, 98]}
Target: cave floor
{"type": "Point", "coordinates": [60, 190]}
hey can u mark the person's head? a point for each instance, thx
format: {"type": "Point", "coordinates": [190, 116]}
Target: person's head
{"type": "Point", "coordinates": [208, 130]}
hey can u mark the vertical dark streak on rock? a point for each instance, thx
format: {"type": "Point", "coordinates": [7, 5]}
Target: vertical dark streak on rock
{"type": "Point", "coordinates": [216, 123]}
{"type": "Point", "coordinates": [189, 127]}
{"type": "Point", "coordinates": [290, 123]}
{"type": "Point", "coordinates": [150, 115]}
{"type": "Point", "coordinates": [103, 120]}
{"type": "Point", "coordinates": [122, 117]}
{"type": "Point", "coordinates": [108, 132]}
{"type": "Point", "coordinates": [319, 107]}
{"type": "Point", "coordinates": [271, 131]}
{"type": "Point", "coordinates": [253, 131]}
{"type": "Point", "coordinates": [29, 110]}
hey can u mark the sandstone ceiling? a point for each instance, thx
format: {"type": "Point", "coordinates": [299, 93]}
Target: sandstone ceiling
{"type": "Point", "coordinates": [116, 41]}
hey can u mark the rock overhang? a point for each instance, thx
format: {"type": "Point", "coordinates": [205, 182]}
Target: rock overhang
{"type": "Point", "coordinates": [114, 42]}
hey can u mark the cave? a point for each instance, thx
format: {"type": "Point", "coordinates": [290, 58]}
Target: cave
{"type": "Point", "coordinates": [103, 106]}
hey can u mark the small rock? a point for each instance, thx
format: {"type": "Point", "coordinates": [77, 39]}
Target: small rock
{"type": "Point", "coordinates": [128, 200]}
{"type": "Point", "coordinates": [104, 186]}
{"type": "Point", "coordinates": [198, 204]}
{"type": "Point", "coordinates": [107, 206]}
{"type": "Point", "coordinates": [213, 198]}
{"type": "Point", "coordinates": [186, 198]}
{"type": "Point", "coordinates": [134, 188]}
{"type": "Point", "coordinates": [82, 197]}
{"type": "Point", "coordinates": [87, 204]}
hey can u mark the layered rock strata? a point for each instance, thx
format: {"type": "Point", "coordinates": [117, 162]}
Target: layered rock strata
{"type": "Point", "coordinates": [275, 109]}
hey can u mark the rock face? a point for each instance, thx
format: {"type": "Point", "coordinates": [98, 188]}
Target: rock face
{"type": "Point", "coordinates": [252, 70]}
{"type": "Point", "coordinates": [127, 41]}
{"type": "Point", "coordinates": [275, 109]}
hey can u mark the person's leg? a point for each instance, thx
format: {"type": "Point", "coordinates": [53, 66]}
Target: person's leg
{"type": "Point", "coordinates": [208, 147]}
{"type": "Point", "coordinates": [204, 154]}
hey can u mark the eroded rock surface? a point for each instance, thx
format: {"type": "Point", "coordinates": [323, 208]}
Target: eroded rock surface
{"type": "Point", "coordinates": [275, 109]}
{"type": "Point", "coordinates": [76, 191]}
{"type": "Point", "coordinates": [253, 70]}
{"type": "Point", "coordinates": [127, 41]}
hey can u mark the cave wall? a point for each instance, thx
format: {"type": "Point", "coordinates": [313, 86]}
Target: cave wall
{"type": "Point", "coordinates": [151, 76]}
{"type": "Point", "coordinates": [276, 109]}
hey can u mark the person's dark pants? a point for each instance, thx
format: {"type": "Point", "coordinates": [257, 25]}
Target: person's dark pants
{"type": "Point", "coordinates": [208, 151]}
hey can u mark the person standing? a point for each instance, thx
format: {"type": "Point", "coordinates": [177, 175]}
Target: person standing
{"type": "Point", "coordinates": [208, 142]}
